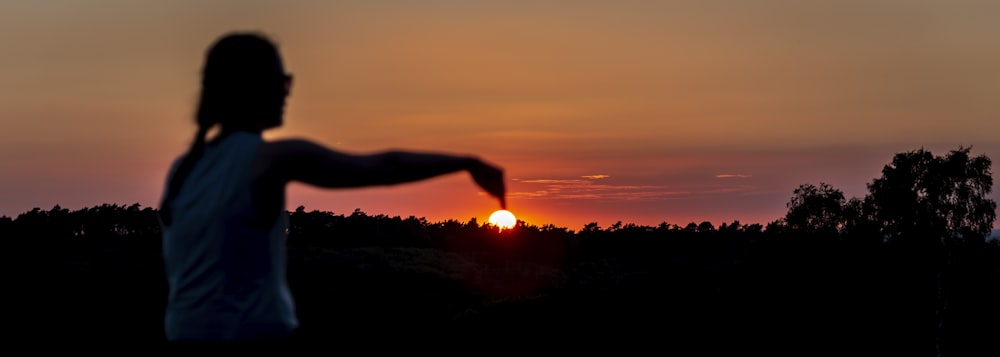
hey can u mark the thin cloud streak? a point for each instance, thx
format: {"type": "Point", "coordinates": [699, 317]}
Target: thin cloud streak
{"type": "Point", "coordinates": [576, 189]}
{"type": "Point", "coordinates": [725, 176]}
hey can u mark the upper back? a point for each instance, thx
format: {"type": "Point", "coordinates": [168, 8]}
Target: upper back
{"type": "Point", "coordinates": [221, 178]}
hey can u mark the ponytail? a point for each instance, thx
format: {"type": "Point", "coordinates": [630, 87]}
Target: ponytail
{"type": "Point", "coordinates": [238, 84]}
{"type": "Point", "coordinates": [182, 172]}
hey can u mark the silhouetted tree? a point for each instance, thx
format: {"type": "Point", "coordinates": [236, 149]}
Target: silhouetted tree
{"type": "Point", "coordinates": [755, 228]}
{"type": "Point", "coordinates": [706, 227]}
{"type": "Point", "coordinates": [936, 197]}
{"type": "Point", "coordinates": [923, 203]}
{"type": "Point", "coordinates": [591, 228]}
{"type": "Point", "coordinates": [97, 272]}
{"type": "Point", "coordinates": [816, 209]}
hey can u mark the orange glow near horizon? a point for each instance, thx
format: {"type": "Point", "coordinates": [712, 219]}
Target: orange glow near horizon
{"type": "Point", "coordinates": [634, 111]}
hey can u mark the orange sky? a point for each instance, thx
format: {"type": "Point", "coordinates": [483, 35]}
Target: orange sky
{"type": "Point", "coordinates": [638, 111]}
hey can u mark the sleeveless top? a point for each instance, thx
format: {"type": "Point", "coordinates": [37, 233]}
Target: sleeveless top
{"type": "Point", "coordinates": [226, 276]}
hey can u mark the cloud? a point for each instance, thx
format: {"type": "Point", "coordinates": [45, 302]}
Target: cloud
{"type": "Point", "coordinates": [725, 176]}
{"type": "Point", "coordinates": [587, 189]}
{"type": "Point", "coordinates": [728, 189]}
{"type": "Point", "coordinates": [552, 181]}
{"type": "Point", "coordinates": [535, 194]}
{"type": "Point", "coordinates": [595, 177]}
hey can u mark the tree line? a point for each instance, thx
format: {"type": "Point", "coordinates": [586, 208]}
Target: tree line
{"type": "Point", "coordinates": [905, 270]}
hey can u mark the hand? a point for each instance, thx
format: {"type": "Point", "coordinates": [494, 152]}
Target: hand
{"type": "Point", "coordinates": [490, 178]}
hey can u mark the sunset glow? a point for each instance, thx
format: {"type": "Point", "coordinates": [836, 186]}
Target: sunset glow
{"type": "Point", "coordinates": [633, 111]}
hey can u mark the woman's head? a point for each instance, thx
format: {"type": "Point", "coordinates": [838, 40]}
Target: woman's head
{"type": "Point", "coordinates": [243, 87]}
{"type": "Point", "coordinates": [243, 84]}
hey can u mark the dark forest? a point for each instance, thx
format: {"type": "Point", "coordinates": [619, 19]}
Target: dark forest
{"type": "Point", "coordinates": [907, 270]}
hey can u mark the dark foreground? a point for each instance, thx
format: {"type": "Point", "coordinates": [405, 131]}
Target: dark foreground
{"type": "Point", "coordinates": [381, 284]}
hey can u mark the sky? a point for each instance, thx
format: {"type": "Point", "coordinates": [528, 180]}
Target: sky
{"type": "Point", "coordinates": [599, 111]}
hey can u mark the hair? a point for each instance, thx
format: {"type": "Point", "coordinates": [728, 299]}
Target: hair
{"type": "Point", "coordinates": [241, 82]}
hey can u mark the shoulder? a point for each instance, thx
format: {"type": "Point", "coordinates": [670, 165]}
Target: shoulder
{"type": "Point", "coordinates": [286, 144]}
{"type": "Point", "coordinates": [175, 165]}
{"type": "Point", "coordinates": [286, 159]}
{"type": "Point", "coordinates": [290, 149]}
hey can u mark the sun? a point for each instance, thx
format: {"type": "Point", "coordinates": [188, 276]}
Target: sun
{"type": "Point", "coordinates": [503, 219]}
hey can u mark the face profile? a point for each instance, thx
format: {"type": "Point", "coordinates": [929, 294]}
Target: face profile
{"type": "Point", "coordinates": [244, 83]}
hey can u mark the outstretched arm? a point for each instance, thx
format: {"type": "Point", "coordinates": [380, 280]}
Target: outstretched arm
{"type": "Point", "coordinates": [305, 161]}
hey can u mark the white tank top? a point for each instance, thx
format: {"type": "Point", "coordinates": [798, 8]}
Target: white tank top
{"type": "Point", "coordinates": [227, 277]}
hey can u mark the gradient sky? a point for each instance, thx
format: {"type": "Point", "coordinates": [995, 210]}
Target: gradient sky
{"type": "Point", "coordinates": [600, 111]}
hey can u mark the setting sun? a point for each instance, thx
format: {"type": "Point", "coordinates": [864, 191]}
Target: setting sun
{"type": "Point", "coordinates": [503, 219]}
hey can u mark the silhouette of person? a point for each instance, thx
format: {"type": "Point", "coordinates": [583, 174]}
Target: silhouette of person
{"type": "Point", "coordinates": [223, 212]}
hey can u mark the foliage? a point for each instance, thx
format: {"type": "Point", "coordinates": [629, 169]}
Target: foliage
{"type": "Point", "coordinates": [944, 195]}
{"type": "Point", "coordinates": [933, 211]}
{"type": "Point", "coordinates": [816, 210]}
{"type": "Point", "coordinates": [920, 198]}
{"type": "Point", "coordinates": [821, 280]}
